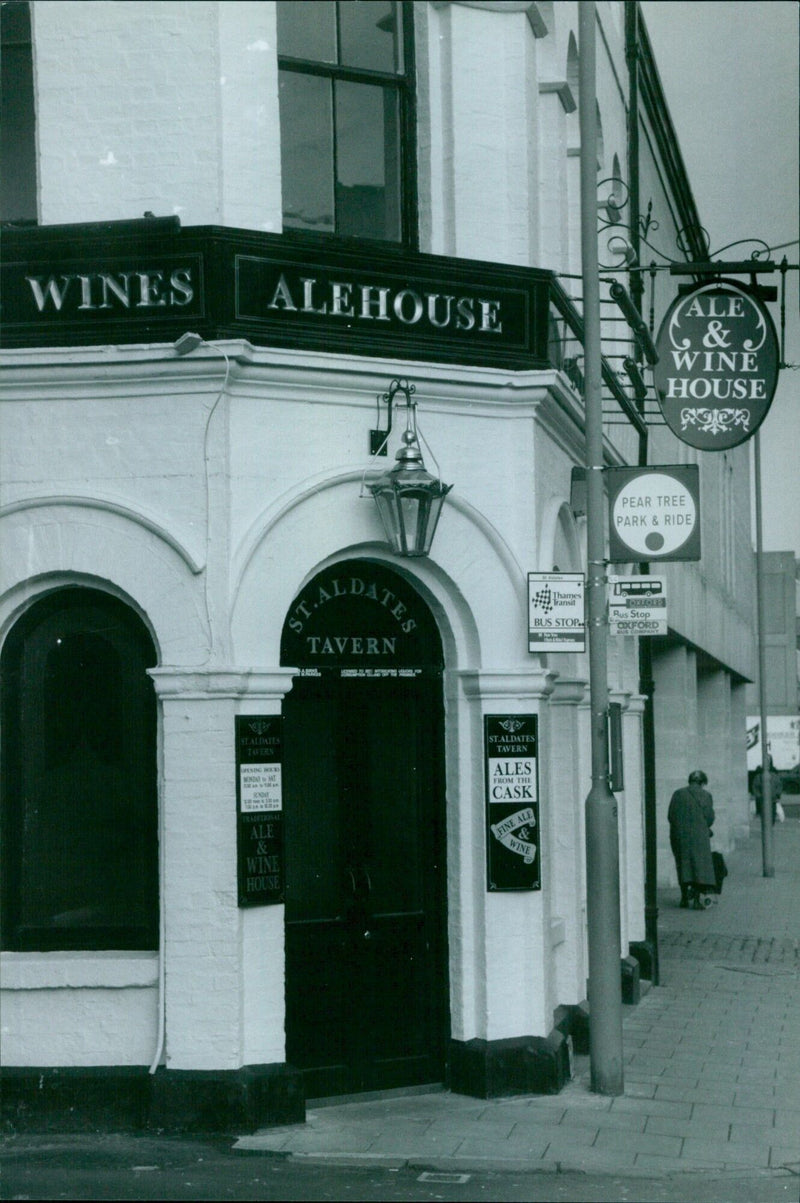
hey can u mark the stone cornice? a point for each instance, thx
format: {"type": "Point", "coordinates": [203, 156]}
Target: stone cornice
{"type": "Point", "coordinates": [563, 91]}
{"type": "Point", "coordinates": [513, 684]}
{"type": "Point", "coordinates": [205, 684]}
{"type": "Point", "coordinates": [505, 8]}
{"type": "Point", "coordinates": [568, 692]}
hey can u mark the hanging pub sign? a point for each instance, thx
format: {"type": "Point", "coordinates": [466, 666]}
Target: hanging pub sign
{"type": "Point", "coordinates": [718, 365]}
{"type": "Point", "coordinates": [556, 612]}
{"type": "Point", "coordinates": [259, 807]}
{"type": "Point", "coordinates": [654, 513]}
{"type": "Point", "coordinates": [513, 844]}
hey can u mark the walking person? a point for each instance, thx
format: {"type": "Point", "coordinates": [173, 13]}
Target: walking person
{"type": "Point", "coordinates": [691, 817]}
{"type": "Point", "coordinates": [775, 789]}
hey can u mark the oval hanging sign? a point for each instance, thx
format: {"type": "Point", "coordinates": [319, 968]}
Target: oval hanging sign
{"type": "Point", "coordinates": [718, 366]}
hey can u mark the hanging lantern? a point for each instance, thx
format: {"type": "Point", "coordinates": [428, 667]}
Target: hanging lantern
{"type": "Point", "coordinates": [408, 498]}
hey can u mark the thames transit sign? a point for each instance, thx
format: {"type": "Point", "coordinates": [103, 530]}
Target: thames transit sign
{"type": "Point", "coordinates": [718, 366]}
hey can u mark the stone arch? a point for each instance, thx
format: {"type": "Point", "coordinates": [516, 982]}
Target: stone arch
{"type": "Point", "coordinates": [61, 541]}
{"type": "Point", "coordinates": [559, 542]}
{"type": "Point", "coordinates": [287, 545]}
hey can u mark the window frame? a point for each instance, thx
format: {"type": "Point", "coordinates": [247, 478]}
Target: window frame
{"type": "Point", "coordinates": [404, 85]}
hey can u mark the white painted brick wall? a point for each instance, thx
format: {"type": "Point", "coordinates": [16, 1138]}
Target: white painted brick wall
{"type": "Point", "coordinates": [79, 1026]}
{"type": "Point", "coordinates": [161, 105]}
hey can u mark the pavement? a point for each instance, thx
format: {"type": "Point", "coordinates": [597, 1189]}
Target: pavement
{"type": "Point", "coordinates": [711, 1062]}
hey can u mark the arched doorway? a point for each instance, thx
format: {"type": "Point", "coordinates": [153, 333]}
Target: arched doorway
{"type": "Point", "coordinates": [366, 954]}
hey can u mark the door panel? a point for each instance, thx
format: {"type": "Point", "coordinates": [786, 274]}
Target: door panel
{"type": "Point", "coordinates": [365, 948]}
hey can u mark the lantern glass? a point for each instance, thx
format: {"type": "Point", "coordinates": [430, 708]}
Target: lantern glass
{"type": "Point", "coordinates": [409, 509]}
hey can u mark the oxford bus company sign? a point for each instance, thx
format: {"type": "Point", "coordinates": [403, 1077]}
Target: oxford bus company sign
{"type": "Point", "coordinates": [718, 366]}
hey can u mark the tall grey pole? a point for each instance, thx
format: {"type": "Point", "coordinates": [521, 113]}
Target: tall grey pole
{"type": "Point", "coordinates": [767, 856]}
{"type": "Point", "coordinates": [646, 682]}
{"type": "Point", "coordinates": [602, 839]}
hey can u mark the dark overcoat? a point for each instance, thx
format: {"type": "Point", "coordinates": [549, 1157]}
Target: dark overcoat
{"type": "Point", "coordinates": [691, 816]}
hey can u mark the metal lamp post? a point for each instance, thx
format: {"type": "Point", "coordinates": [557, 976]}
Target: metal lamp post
{"type": "Point", "coordinates": [602, 837]}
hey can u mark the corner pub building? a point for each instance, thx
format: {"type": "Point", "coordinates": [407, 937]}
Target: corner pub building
{"type": "Point", "coordinates": [248, 855]}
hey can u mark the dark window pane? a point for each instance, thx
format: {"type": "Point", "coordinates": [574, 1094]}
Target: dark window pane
{"type": "Point", "coordinates": [306, 152]}
{"type": "Point", "coordinates": [368, 162]}
{"type": "Point", "coordinates": [307, 29]}
{"type": "Point", "coordinates": [17, 140]}
{"type": "Point", "coordinates": [369, 35]}
{"type": "Point", "coordinates": [79, 777]}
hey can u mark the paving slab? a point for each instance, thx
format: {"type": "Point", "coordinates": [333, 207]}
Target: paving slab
{"type": "Point", "coordinates": [711, 1056]}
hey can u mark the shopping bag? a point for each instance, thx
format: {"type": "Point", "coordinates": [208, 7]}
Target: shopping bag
{"type": "Point", "coordinates": [720, 870]}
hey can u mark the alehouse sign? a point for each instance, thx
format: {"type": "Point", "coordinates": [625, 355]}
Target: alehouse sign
{"type": "Point", "coordinates": [151, 281]}
{"type": "Point", "coordinates": [718, 366]}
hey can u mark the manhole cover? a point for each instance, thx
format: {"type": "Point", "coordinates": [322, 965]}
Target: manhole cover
{"type": "Point", "coordinates": [432, 1176]}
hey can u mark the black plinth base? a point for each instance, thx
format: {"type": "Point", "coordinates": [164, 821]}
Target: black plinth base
{"type": "Point", "coordinates": [631, 988]}
{"type": "Point", "coordinates": [647, 956]}
{"type": "Point", "coordinates": [573, 1020]}
{"type": "Point", "coordinates": [125, 1099]}
{"type": "Point", "coordinates": [490, 1069]}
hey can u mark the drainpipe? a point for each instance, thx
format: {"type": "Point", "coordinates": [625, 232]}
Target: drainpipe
{"type": "Point", "coordinates": [158, 1052]}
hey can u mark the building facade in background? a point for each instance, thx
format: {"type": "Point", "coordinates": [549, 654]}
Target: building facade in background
{"type": "Point", "coordinates": [781, 675]}
{"type": "Point", "coordinates": [287, 814]}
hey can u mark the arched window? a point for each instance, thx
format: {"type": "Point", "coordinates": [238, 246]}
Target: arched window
{"type": "Point", "coordinates": [79, 786]}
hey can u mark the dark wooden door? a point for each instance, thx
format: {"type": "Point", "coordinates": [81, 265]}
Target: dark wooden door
{"type": "Point", "coordinates": [366, 972]}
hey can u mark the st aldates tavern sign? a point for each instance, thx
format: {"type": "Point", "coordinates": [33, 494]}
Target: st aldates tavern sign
{"type": "Point", "coordinates": [152, 281]}
{"type": "Point", "coordinates": [718, 366]}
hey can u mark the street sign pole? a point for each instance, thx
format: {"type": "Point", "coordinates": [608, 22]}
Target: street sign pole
{"type": "Point", "coordinates": [602, 837]}
{"type": "Point", "coordinates": [767, 856]}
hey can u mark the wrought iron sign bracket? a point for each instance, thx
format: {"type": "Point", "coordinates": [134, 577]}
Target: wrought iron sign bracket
{"type": "Point", "coordinates": [379, 439]}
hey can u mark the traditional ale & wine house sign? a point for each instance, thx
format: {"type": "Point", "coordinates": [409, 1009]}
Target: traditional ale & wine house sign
{"type": "Point", "coordinates": [718, 365]}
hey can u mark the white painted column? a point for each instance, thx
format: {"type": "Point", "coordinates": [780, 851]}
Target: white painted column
{"type": "Point", "coordinates": [740, 799]}
{"type": "Point", "coordinates": [510, 937]}
{"type": "Point", "coordinates": [677, 741]}
{"type": "Point", "coordinates": [632, 898]}
{"type": "Point", "coordinates": [555, 102]}
{"type": "Point", "coordinates": [224, 967]}
{"type": "Point", "coordinates": [564, 843]}
{"type": "Point", "coordinates": [714, 726]}
{"type": "Point", "coordinates": [482, 162]}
